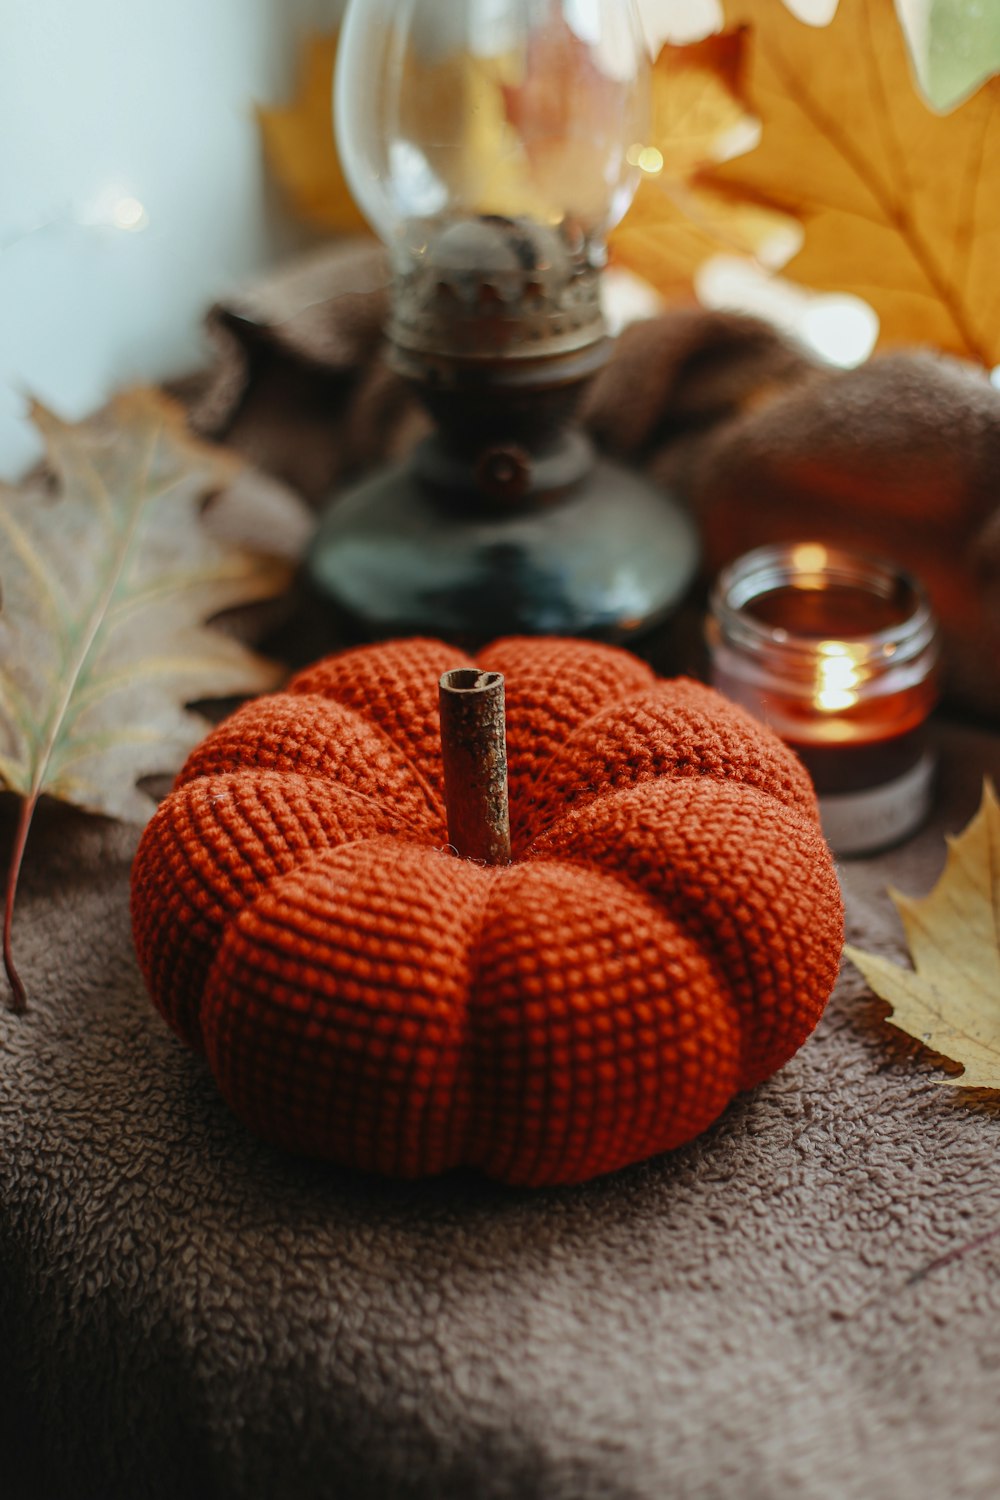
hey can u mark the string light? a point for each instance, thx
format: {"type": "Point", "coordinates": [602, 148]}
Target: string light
{"type": "Point", "coordinates": [128, 213]}
{"type": "Point", "coordinates": [647, 158]}
{"type": "Point", "coordinates": [111, 209]}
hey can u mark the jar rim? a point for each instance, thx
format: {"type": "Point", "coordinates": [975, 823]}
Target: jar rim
{"type": "Point", "coordinates": [781, 565]}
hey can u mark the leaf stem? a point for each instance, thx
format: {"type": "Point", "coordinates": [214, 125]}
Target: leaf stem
{"type": "Point", "coordinates": [18, 995]}
{"type": "Point", "coordinates": [950, 1256]}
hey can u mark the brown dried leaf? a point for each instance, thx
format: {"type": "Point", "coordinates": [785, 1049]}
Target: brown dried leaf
{"type": "Point", "coordinates": [950, 1000]}
{"type": "Point", "coordinates": [568, 116]}
{"type": "Point", "coordinates": [300, 148]}
{"type": "Point", "coordinates": [105, 586]}
{"type": "Point", "coordinates": [559, 88]}
{"type": "Point", "coordinates": [899, 204]}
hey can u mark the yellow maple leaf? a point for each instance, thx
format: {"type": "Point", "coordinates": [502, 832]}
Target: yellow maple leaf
{"type": "Point", "coordinates": [950, 1000]}
{"type": "Point", "coordinates": [899, 204]}
{"type": "Point", "coordinates": [300, 148]}
{"type": "Point", "coordinates": [699, 118]}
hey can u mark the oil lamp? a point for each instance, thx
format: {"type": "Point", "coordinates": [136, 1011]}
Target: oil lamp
{"type": "Point", "coordinates": [839, 654]}
{"type": "Point", "coordinates": [490, 144]}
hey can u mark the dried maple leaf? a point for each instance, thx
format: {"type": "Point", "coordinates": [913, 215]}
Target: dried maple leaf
{"type": "Point", "coordinates": [899, 204]}
{"type": "Point", "coordinates": [105, 585]}
{"type": "Point", "coordinates": [950, 1000]}
{"type": "Point", "coordinates": [559, 90]}
{"type": "Point", "coordinates": [300, 147]}
{"type": "Point", "coordinates": [568, 116]}
{"type": "Point", "coordinates": [700, 118]}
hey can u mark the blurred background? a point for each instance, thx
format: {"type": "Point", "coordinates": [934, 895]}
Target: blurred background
{"type": "Point", "coordinates": [133, 189]}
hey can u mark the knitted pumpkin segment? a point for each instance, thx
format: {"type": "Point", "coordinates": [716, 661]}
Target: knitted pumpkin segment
{"type": "Point", "coordinates": [669, 932]}
{"type": "Point", "coordinates": [549, 698]}
{"type": "Point", "coordinates": [674, 730]}
{"type": "Point", "coordinates": [212, 848]}
{"type": "Point", "coordinates": [600, 1032]}
{"type": "Point", "coordinates": [396, 692]}
{"type": "Point", "coordinates": [336, 1014]}
{"type": "Point", "coordinates": [748, 879]}
{"type": "Point", "coordinates": [310, 736]}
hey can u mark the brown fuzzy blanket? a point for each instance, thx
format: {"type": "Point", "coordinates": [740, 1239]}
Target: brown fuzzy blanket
{"type": "Point", "coordinates": [794, 1306]}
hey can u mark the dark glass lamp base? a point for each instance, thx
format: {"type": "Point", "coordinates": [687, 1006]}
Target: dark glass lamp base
{"type": "Point", "coordinates": [610, 559]}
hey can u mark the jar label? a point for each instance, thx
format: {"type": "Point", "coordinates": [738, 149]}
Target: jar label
{"type": "Point", "coordinates": [861, 822]}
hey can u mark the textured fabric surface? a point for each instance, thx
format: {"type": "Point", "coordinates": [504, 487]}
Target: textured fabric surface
{"type": "Point", "coordinates": [667, 934]}
{"type": "Point", "coordinates": [762, 1314]}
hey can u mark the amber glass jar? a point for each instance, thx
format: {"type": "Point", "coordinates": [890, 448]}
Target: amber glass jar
{"type": "Point", "coordinates": [839, 655]}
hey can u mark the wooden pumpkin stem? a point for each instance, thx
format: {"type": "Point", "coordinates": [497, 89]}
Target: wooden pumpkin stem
{"type": "Point", "coordinates": [474, 750]}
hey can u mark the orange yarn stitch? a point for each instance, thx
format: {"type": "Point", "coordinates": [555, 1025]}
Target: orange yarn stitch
{"type": "Point", "coordinates": [668, 933]}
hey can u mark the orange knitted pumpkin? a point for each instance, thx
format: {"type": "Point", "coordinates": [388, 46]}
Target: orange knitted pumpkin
{"type": "Point", "coordinates": [668, 933]}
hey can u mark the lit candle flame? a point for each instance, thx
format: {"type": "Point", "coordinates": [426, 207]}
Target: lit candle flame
{"type": "Point", "coordinates": [811, 557]}
{"type": "Point", "coordinates": [837, 677]}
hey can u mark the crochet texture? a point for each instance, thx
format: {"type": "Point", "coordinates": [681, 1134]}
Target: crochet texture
{"type": "Point", "coordinates": [668, 933]}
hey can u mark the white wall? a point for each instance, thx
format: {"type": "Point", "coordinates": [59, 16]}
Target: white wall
{"type": "Point", "coordinates": [106, 101]}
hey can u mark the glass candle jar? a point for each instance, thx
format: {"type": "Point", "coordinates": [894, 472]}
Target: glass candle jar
{"type": "Point", "coordinates": [839, 655]}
